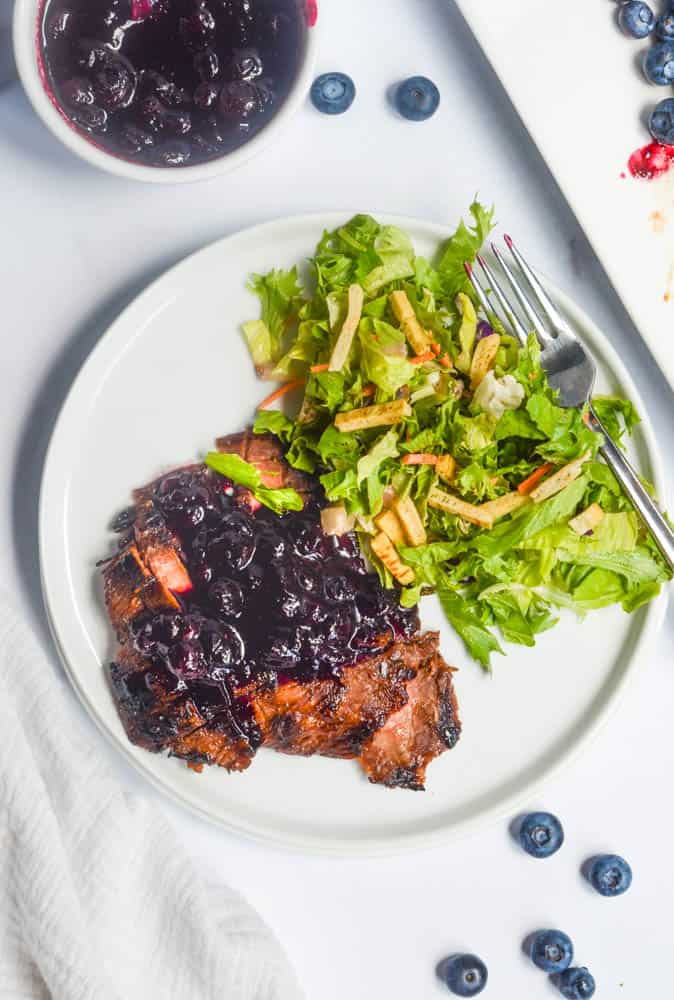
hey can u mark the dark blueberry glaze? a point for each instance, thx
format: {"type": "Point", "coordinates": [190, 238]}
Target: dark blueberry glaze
{"type": "Point", "coordinates": [171, 82]}
{"type": "Point", "coordinates": [274, 598]}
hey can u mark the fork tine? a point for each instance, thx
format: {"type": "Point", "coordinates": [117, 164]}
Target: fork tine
{"type": "Point", "coordinates": [479, 291]}
{"type": "Point", "coordinates": [548, 307]}
{"type": "Point", "coordinates": [488, 307]}
{"type": "Point", "coordinates": [511, 315]}
{"type": "Point", "coordinates": [542, 334]}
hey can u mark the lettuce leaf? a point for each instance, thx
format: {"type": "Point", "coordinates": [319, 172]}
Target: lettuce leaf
{"type": "Point", "coordinates": [279, 293]}
{"type": "Point", "coordinates": [244, 474]}
{"type": "Point", "coordinates": [464, 246]}
{"type": "Point", "coordinates": [385, 447]}
{"type": "Point", "coordinates": [464, 616]}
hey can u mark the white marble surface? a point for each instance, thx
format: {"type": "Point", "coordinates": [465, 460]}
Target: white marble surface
{"type": "Point", "coordinates": [76, 246]}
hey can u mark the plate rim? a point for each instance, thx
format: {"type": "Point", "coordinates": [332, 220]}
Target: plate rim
{"type": "Point", "coordinates": [261, 833]}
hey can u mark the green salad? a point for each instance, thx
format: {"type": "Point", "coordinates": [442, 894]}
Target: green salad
{"type": "Point", "coordinates": [437, 438]}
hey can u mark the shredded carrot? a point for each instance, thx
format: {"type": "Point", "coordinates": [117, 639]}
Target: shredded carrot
{"type": "Point", "coordinates": [444, 361]}
{"type": "Point", "coordinates": [369, 389]}
{"type": "Point", "coordinates": [527, 485]}
{"type": "Point", "coordinates": [435, 347]}
{"type": "Point", "coordinates": [319, 368]}
{"type": "Point", "coordinates": [420, 459]}
{"type": "Point", "coordinates": [281, 391]}
{"type": "Point", "coordinates": [420, 358]}
{"type": "Point", "coordinates": [586, 419]}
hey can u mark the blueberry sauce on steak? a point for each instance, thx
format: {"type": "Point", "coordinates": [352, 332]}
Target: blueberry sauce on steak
{"type": "Point", "coordinates": [261, 628]}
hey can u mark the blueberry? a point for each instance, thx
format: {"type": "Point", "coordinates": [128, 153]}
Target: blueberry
{"type": "Point", "coordinates": [577, 984]}
{"type": "Point", "coordinates": [134, 140]}
{"type": "Point", "coordinates": [664, 28]}
{"type": "Point", "coordinates": [551, 951]}
{"type": "Point", "coordinates": [242, 100]}
{"type": "Point", "coordinates": [246, 64]}
{"type": "Point", "coordinates": [541, 834]}
{"type": "Point", "coordinates": [661, 122]}
{"type": "Point", "coordinates": [636, 19]}
{"type": "Point", "coordinates": [465, 975]}
{"type": "Point", "coordinates": [78, 92]}
{"type": "Point", "coordinates": [333, 93]}
{"type": "Point", "coordinates": [197, 30]}
{"type": "Point", "coordinates": [659, 64]}
{"type": "Point", "coordinates": [610, 875]}
{"type": "Point", "coordinates": [417, 98]}
{"type": "Point", "coordinates": [227, 597]}
{"type": "Point", "coordinates": [114, 78]}
{"type": "Point", "coordinates": [207, 64]}
{"type": "Point", "coordinates": [186, 660]}
{"type": "Point", "coordinates": [205, 96]}
{"type": "Point", "coordinates": [339, 588]}
{"type": "Point", "coordinates": [91, 119]}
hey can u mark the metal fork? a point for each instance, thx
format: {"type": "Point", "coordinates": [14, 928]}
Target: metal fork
{"type": "Point", "coordinates": [570, 370]}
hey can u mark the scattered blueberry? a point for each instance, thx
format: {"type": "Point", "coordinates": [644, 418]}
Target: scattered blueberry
{"type": "Point", "coordinates": [577, 984]}
{"type": "Point", "coordinates": [541, 834]}
{"type": "Point", "coordinates": [659, 64]}
{"type": "Point", "coordinates": [636, 19]}
{"type": "Point", "coordinates": [664, 28]}
{"type": "Point", "coordinates": [417, 98]}
{"type": "Point", "coordinates": [661, 122]}
{"type": "Point", "coordinates": [551, 951]}
{"type": "Point", "coordinates": [610, 875]}
{"type": "Point", "coordinates": [465, 975]}
{"type": "Point", "coordinates": [333, 93]}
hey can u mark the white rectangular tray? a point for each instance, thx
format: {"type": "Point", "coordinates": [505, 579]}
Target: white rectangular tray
{"type": "Point", "coordinates": [575, 81]}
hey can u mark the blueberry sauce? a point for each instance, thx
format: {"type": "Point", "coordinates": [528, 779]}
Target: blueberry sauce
{"type": "Point", "coordinates": [170, 82]}
{"type": "Point", "coordinates": [274, 599]}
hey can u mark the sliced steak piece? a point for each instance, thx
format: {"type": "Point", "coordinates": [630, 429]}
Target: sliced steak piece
{"type": "Point", "coordinates": [337, 718]}
{"type": "Point", "coordinates": [160, 713]}
{"type": "Point", "coordinates": [130, 587]}
{"type": "Point", "coordinates": [427, 725]}
{"type": "Point", "coordinates": [159, 548]}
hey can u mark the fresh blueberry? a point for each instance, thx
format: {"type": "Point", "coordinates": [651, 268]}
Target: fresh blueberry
{"type": "Point", "coordinates": [636, 19]}
{"type": "Point", "coordinates": [541, 834]}
{"type": "Point", "coordinates": [664, 28]}
{"type": "Point", "coordinates": [417, 98]}
{"type": "Point", "coordinates": [659, 64]}
{"type": "Point", "coordinates": [465, 975]}
{"type": "Point", "coordinates": [610, 875]}
{"type": "Point", "coordinates": [661, 122]}
{"type": "Point", "coordinates": [577, 984]}
{"type": "Point", "coordinates": [333, 93]}
{"type": "Point", "coordinates": [551, 951]}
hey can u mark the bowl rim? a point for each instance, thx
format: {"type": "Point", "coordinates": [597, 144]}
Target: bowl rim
{"type": "Point", "coordinates": [24, 30]}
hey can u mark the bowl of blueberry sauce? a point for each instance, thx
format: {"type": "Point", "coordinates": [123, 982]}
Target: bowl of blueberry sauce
{"type": "Point", "coordinates": [165, 90]}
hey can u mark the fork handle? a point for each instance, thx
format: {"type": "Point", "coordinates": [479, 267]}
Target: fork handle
{"type": "Point", "coordinates": [662, 534]}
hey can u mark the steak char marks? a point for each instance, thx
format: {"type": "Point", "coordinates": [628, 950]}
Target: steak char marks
{"type": "Point", "coordinates": [239, 629]}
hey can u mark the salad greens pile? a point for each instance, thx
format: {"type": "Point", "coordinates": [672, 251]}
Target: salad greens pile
{"type": "Point", "coordinates": [511, 516]}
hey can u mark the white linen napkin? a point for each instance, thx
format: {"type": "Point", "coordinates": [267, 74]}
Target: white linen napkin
{"type": "Point", "coordinates": [98, 900]}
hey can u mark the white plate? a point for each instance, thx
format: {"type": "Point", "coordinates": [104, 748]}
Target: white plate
{"type": "Point", "coordinates": [577, 84]}
{"type": "Point", "coordinates": [171, 374]}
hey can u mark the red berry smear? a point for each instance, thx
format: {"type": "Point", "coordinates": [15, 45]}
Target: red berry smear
{"type": "Point", "coordinates": [651, 161]}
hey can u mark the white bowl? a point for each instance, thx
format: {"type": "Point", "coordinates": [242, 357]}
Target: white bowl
{"type": "Point", "coordinates": [26, 41]}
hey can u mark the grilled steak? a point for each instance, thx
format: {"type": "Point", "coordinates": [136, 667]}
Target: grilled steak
{"type": "Point", "coordinates": [239, 629]}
